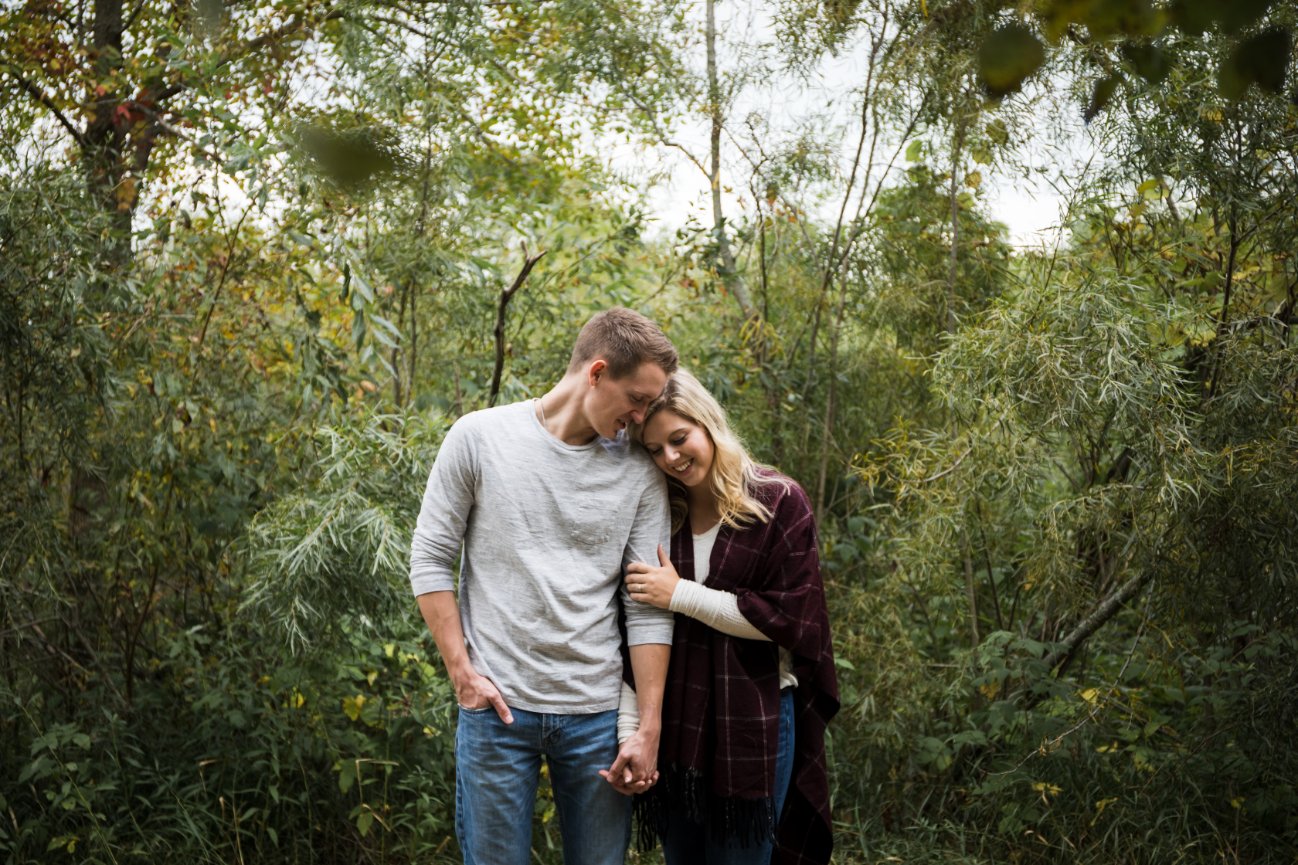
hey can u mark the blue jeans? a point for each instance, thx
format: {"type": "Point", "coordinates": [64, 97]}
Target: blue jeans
{"type": "Point", "coordinates": [498, 768]}
{"type": "Point", "coordinates": [693, 844]}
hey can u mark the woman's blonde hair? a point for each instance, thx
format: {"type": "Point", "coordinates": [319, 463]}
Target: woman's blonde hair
{"type": "Point", "coordinates": [734, 473]}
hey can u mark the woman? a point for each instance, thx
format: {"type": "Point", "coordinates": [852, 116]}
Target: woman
{"type": "Point", "coordinates": [751, 684]}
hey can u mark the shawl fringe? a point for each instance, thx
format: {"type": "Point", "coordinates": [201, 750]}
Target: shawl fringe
{"type": "Point", "coordinates": [684, 792]}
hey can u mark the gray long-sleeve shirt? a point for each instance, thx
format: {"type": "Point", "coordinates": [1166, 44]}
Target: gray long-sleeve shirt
{"type": "Point", "coordinates": [546, 530]}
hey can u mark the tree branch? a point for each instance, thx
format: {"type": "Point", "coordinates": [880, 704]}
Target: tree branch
{"type": "Point", "coordinates": [40, 96]}
{"type": "Point", "coordinates": [529, 261]}
{"type": "Point", "coordinates": [1106, 610]}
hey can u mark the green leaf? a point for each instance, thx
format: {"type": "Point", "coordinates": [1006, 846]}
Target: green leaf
{"type": "Point", "coordinates": [363, 287]}
{"type": "Point", "coordinates": [346, 775]}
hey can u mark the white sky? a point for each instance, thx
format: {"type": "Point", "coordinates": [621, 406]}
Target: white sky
{"type": "Point", "coordinates": [1029, 205]}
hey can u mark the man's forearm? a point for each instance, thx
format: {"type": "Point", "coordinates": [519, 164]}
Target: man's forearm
{"type": "Point", "coordinates": [649, 664]}
{"type": "Point", "coordinates": [442, 615]}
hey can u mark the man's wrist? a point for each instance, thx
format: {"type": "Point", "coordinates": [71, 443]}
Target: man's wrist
{"type": "Point", "coordinates": [460, 669]}
{"type": "Point", "coordinates": [651, 725]}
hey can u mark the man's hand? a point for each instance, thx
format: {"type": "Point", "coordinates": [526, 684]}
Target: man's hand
{"type": "Point", "coordinates": [477, 692]}
{"type": "Point", "coordinates": [636, 768]}
{"type": "Point", "coordinates": [472, 691]}
{"type": "Point", "coordinates": [650, 585]}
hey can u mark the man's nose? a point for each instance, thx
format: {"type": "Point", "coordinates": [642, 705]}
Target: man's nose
{"type": "Point", "coordinates": [637, 415]}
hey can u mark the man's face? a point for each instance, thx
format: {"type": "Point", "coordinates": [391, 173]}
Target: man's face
{"type": "Point", "coordinates": [614, 403]}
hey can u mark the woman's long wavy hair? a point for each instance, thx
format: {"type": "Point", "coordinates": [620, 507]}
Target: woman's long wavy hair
{"type": "Point", "coordinates": [734, 474]}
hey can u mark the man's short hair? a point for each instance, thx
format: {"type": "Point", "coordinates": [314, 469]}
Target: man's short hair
{"type": "Point", "coordinates": [625, 339]}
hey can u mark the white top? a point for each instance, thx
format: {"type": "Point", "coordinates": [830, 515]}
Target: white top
{"type": "Point", "coordinates": [715, 608]}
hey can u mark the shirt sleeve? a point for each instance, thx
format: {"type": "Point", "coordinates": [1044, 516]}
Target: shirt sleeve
{"type": "Point", "coordinates": [628, 714]}
{"type": "Point", "coordinates": [646, 623]}
{"type": "Point", "coordinates": [443, 514]}
{"type": "Point", "coordinates": [715, 608]}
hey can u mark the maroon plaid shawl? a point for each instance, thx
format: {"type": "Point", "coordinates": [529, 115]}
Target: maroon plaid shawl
{"type": "Point", "coordinates": [721, 707]}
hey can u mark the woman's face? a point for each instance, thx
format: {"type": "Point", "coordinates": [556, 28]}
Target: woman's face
{"type": "Point", "coordinates": [680, 447]}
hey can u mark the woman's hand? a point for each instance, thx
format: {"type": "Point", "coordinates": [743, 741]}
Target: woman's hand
{"type": "Point", "coordinates": [650, 585]}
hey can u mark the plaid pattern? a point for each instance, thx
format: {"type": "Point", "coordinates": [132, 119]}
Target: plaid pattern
{"type": "Point", "coordinates": [722, 702]}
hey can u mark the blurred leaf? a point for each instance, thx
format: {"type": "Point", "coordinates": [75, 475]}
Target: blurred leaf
{"type": "Point", "coordinates": [1008, 57]}
{"type": "Point", "coordinates": [209, 17]}
{"type": "Point", "coordinates": [350, 158]}
{"type": "Point", "coordinates": [1193, 16]}
{"type": "Point", "coordinates": [1150, 62]}
{"type": "Point", "coordinates": [1100, 96]}
{"type": "Point", "coordinates": [1236, 15]}
{"type": "Point", "coordinates": [1262, 60]}
{"type": "Point", "coordinates": [1101, 18]}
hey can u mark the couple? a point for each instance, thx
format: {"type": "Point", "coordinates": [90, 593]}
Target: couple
{"type": "Point", "coordinates": [558, 523]}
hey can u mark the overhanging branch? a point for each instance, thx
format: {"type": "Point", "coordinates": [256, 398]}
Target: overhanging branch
{"type": "Point", "coordinates": [40, 96]}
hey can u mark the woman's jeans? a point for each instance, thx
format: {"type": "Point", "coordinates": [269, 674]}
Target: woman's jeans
{"type": "Point", "coordinates": [693, 844]}
{"type": "Point", "coordinates": [498, 768]}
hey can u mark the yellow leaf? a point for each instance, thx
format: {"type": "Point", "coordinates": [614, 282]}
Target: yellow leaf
{"type": "Point", "coordinates": [1100, 806]}
{"type": "Point", "coordinates": [125, 193]}
{"type": "Point", "coordinates": [352, 706]}
{"type": "Point", "coordinates": [973, 179]}
{"type": "Point", "coordinates": [1047, 790]}
{"type": "Point", "coordinates": [1090, 695]}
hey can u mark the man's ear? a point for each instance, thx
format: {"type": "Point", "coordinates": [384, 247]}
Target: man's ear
{"type": "Point", "coordinates": [597, 368]}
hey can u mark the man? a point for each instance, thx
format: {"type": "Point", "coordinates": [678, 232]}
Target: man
{"type": "Point", "coordinates": [550, 502]}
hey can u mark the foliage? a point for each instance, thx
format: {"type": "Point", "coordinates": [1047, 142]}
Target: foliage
{"type": "Point", "coordinates": [251, 260]}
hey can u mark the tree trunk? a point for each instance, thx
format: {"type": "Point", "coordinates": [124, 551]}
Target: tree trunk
{"type": "Point", "coordinates": [730, 277]}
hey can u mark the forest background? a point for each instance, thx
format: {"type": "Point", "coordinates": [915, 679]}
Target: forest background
{"type": "Point", "coordinates": [256, 257]}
